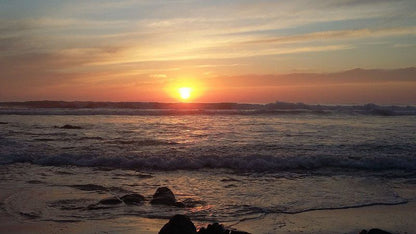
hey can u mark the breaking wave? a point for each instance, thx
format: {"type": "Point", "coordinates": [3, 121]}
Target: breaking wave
{"type": "Point", "coordinates": [248, 163]}
{"type": "Point", "coordinates": [161, 109]}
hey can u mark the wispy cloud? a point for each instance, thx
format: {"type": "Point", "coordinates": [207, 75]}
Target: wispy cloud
{"type": "Point", "coordinates": [158, 76]}
{"type": "Point", "coordinates": [337, 34]}
{"type": "Point", "coordinates": [403, 45]}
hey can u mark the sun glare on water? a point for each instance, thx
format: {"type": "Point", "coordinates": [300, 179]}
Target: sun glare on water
{"type": "Point", "coordinates": [185, 92]}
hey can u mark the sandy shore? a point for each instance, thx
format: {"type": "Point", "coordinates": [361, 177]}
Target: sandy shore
{"type": "Point", "coordinates": [120, 225]}
{"type": "Point", "coordinates": [397, 219]}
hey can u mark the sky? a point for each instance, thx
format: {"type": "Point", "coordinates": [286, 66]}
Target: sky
{"type": "Point", "coordinates": [226, 51]}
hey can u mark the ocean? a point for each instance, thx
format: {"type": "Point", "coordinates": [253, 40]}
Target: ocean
{"type": "Point", "coordinates": [231, 165]}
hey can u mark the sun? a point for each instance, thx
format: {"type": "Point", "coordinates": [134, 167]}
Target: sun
{"type": "Point", "coordinates": [185, 92]}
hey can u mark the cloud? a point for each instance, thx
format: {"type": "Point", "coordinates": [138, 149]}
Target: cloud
{"type": "Point", "coordinates": [355, 76]}
{"type": "Point", "coordinates": [337, 34]}
{"type": "Point", "coordinates": [344, 3]}
{"type": "Point", "coordinates": [403, 45]}
{"type": "Point", "coordinates": [120, 41]}
{"type": "Point", "coordinates": [158, 76]}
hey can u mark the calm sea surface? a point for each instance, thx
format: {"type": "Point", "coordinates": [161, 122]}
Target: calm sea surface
{"type": "Point", "coordinates": [232, 166]}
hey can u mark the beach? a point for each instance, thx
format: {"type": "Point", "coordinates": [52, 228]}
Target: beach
{"type": "Point", "coordinates": [300, 172]}
{"type": "Point", "coordinates": [30, 203]}
{"type": "Point", "coordinates": [396, 219]}
{"type": "Point", "coordinates": [208, 117]}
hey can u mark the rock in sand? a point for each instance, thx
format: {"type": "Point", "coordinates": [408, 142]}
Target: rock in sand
{"type": "Point", "coordinates": [163, 196]}
{"type": "Point", "coordinates": [374, 231]}
{"type": "Point", "coordinates": [110, 201]}
{"type": "Point", "coordinates": [214, 228]}
{"type": "Point", "coordinates": [181, 224]}
{"type": "Point", "coordinates": [178, 224]}
{"type": "Point", "coordinates": [132, 199]}
{"type": "Point", "coordinates": [68, 126]}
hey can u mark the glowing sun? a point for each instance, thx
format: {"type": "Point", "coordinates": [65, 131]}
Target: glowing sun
{"type": "Point", "coordinates": [185, 92]}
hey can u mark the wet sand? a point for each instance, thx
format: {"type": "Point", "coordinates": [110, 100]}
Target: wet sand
{"type": "Point", "coordinates": [396, 219]}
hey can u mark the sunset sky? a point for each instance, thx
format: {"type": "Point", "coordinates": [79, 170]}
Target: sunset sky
{"type": "Point", "coordinates": [226, 51]}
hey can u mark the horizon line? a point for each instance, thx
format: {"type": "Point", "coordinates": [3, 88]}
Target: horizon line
{"type": "Point", "coordinates": [209, 103]}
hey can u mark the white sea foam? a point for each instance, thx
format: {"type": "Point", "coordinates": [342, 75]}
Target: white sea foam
{"type": "Point", "coordinates": [238, 142]}
{"type": "Point", "coordinates": [247, 163]}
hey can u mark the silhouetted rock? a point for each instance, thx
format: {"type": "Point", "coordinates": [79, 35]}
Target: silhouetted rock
{"type": "Point", "coordinates": [89, 187]}
{"type": "Point", "coordinates": [132, 199]}
{"type": "Point", "coordinates": [3, 123]}
{"type": "Point", "coordinates": [214, 228]}
{"type": "Point", "coordinates": [178, 224]}
{"type": "Point", "coordinates": [164, 196]}
{"type": "Point", "coordinates": [68, 126]}
{"type": "Point", "coordinates": [35, 182]}
{"type": "Point", "coordinates": [110, 201]}
{"type": "Point", "coordinates": [179, 204]}
{"type": "Point", "coordinates": [144, 176]}
{"type": "Point", "coordinates": [217, 228]}
{"type": "Point", "coordinates": [181, 224]}
{"type": "Point", "coordinates": [374, 231]}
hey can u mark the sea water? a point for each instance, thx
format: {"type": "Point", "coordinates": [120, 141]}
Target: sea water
{"type": "Point", "coordinates": [233, 165]}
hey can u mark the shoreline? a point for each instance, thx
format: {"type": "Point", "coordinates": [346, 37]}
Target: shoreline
{"type": "Point", "coordinates": [392, 218]}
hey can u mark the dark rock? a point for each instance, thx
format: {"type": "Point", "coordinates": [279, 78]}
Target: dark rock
{"type": "Point", "coordinates": [3, 123]}
{"type": "Point", "coordinates": [103, 169]}
{"type": "Point", "coordinates": [178, 224]}
{"type": "Point", "coordinates": [214, 228]}
{"type": "Point", "coordinates": [238, 232]}
{"type": "Point", "coordinates": [68, 126]}
{"type": "Point", "coordinates": [89, 187]}
{"type": "Point", "coordinates": [217, 228]}
{"type": "Point", "coordinates": [181, 224]}
{"type": "Point", "coordinates": [132, 199]}
{"type": "Point", "coordinates": [179, 204]}
{"type": "Point", "coordinates": [110, 201]}
{"type": "Point", "coordinates": [374, 231]}
{"type": "Point", "coordinates": [378, 231]}
{"type": "Point", "coordinates": [164, 196]}
{"type": "Point", "coordinates": [35, 182]}
{"type": "Point", "coordinates": [144, 176]}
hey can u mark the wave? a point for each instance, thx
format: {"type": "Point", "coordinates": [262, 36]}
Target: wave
{"type": "Point", "coordinates": [399, 201]}
{"type": "Point", "coordinates": [143, 142]}
{"type": "Point", "coordinates": [161, 109]}
{"type": "Point", "coordinates": [267, 164]}
{"type": "Point", "coordinates": [151, 112]}
{"type": "Point", "coordinates": [247, 209]}
{"type": "Point", "coordinates": [130, 112]}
